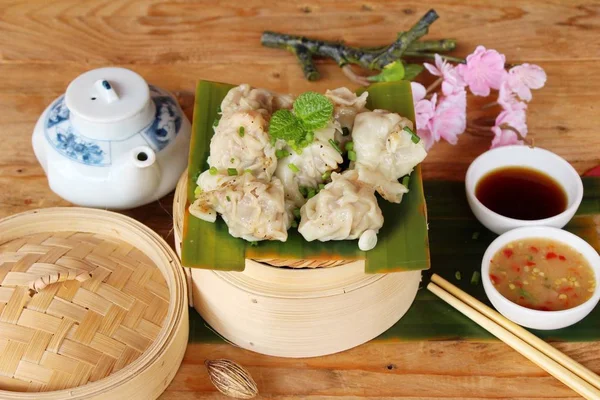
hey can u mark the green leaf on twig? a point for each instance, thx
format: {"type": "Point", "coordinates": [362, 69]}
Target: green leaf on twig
{"type": "Point", "coordinates": [392, 72]}
{"type": "Point", "coordinates": [411, 71]}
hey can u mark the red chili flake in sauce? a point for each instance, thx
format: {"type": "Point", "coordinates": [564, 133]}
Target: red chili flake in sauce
{"type": "Point", "coordinates": [495, 279]}
{"type": "Point", "coordinates": [534, 249]}
{"type": "Point", "coordinates": [530, 263]}
{"type": "Point", "coordinates": [518, 284]}
{"type": "Point", "coordinates": [550, 255]}
{"type": "Point", "coordinates": [516, 268]}
{"type": "Point", "coordinates": [562, 258]}
{"type": "Point", "coordinates": [507, 253]}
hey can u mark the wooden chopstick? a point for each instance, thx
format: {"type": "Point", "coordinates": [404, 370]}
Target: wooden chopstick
{"type": "Point", "coordinates": [560, 372]}
{"type": "Point", "coordinates": [519, 331]}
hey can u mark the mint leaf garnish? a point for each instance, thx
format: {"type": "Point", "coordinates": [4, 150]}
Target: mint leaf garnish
{"type": "Point", "coordinates": [313, 109]}
{"type": "Point", "coordinates": [284, 125]}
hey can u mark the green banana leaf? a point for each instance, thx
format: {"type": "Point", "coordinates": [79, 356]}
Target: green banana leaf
{"type": "Point", "coordinates": [458, 242]}
{"type": "Point", "coordinates": [403, 242]}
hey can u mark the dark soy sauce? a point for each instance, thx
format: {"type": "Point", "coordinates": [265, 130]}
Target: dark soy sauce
{"type": "Point", "coordinates": [521, 193]}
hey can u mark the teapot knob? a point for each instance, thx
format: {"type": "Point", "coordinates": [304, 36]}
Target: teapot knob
{"type": "Point", "coordinates": [106, 90]}
{"type": "Point", "coordinates": [109, 103]}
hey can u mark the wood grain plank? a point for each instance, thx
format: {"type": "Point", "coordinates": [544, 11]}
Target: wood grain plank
{"type": "Point", "coordinates": [388, 369]}
{"type": "Point", "coordinates": [159, 31]}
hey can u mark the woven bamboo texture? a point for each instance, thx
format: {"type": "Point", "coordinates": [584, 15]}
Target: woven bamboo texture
{"type": "Point", "coordinates": [79, 306]}
{"type": "Point", "coordinates": [180, 205]}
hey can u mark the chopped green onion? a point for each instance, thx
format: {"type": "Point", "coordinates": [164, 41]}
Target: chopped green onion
{"type": "Point", "coordinates": [406, 181]}
{"type": "Point", "coordinates": [326, 175]}
{"type": "Point", "coordinates": [232, 160]}
{"type": "Point", "coordinates": [475, 278]}
{"type": "Point", "coordinates": [475, 236]}
{"type": "Point", "coordinates": [345, 131]}
{"type": "Point", "coordinates": [351, 155]}
{"type": "Point", "coordinates": [293, 167]}
{"type": "Point", "coordinates": [294, 224]}
{"type": "Point", "coordinates": [303, 191]}
{"type": "Point", "coordinates": [335, 146]}
{"type": "Point", "coordinates": [349, 146]}
{"type": "Point", "coordinates": [457, 275]}
{"type": "Point", "coordinates": [321, 186]}
{"type": "Point", "coordinates": [296, 212]}
{"type": "Point", "coordinates": [303, 143]}
{"type": "Point", "coordinates": [310, 136]}
{"type": "Point", "coordinates": [197, 191]}
{"type": "Point", "coordinates": [248, 171]}
{"type": "Point", "coordinates": [213, 171]}
{"type": "Point", "coordinates": [228, 198]}
{"type": "Point", "coordinates": [413, 135]}
{"type": "Point", "coordinates": [241, 131]}
{"type": "Point", "coordinates": [311, 193]}
{"type": "Point", "coordinates": [232, 171]}
{"type": "Point", "coordinates": [253, 244]}
{"type": "Point", "coordinates": [281, 153]}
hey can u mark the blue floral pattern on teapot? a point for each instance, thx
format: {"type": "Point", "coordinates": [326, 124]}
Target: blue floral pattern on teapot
{"type": "Point", "coordinates": [76, 146]}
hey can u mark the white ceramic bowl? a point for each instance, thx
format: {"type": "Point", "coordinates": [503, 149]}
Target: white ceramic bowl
{"type": "Point", "coordinates": [523, 156]}
{"type": "Point", "coordinates": [533, 318]}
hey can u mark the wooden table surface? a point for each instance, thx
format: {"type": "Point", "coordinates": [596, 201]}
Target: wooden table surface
{"type": "Point", "coordinates": [172, 44]}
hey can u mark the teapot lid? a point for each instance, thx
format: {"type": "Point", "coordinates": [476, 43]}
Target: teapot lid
{"type": "Point", "coordinates": [107, 95]}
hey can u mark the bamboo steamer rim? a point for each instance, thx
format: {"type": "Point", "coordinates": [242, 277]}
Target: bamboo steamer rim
{"type": "Point", "coordinates": [282, 283]}
{"type": "Point", "coordinates": [179, 210]}
{"type": "Point", "coordinates": [128, 381]}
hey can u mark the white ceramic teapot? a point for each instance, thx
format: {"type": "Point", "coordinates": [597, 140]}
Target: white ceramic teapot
{"type": "Point", "coordinates": [112, 141]}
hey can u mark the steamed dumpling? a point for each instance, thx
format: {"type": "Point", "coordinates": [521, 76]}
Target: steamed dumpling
{"type": "Point", "coordinates": [247, 98]}
{"type": "Point", "coordinates": [315, 160]}
{"type": "Point", "coordinates": [385, 152]}
{"type": "Point", "coordinates": [248, 150]}
{"type": "Point", "coordinates": [344, 209]}
{"type": "Point", "coordinates": [346, 105]}
{"type": "Point", "coordinates": [251, 208]}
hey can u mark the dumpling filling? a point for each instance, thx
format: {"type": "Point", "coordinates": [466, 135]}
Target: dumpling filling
{"type": "Point", "coordinates": [309, 168]}
{"type": "Point", "coordinates": [252, 209]}
{"type": "Point", "coordinates": [343, 209]}
{"type": "Point", "coordinates": [385, 151]}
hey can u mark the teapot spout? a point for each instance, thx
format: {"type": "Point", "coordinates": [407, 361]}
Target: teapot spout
{"type": "Point", "coordinates": [140, 175]}
{"type": "Point", "coordinates": [143, 157]}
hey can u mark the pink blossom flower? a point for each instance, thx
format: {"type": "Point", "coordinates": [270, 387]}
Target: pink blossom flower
{"type": "Point", "coordinates": [483, 71]}
{"type": "Point", "coordinates": [424, 110]}
{"type": "Point", "coordinates": [418, 91]}
{"type": "Point", "coordinates": [452, 81]}
{"type": "Point", "coordinates": [522, 78]}
{"type": "Point", "coordinates": [450, 117]}
{"type": "Point", "coordinates": [509, 100]}
{"type": "Point", "coordinates": [507, 123]}
{"type": "Point", "coordinates": [504, 137]}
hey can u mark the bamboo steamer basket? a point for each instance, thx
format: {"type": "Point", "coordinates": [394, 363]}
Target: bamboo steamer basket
{"type": "Point", "coordinates": [296, 312]}
{"type": "Point", "coordinates": [93, 305]}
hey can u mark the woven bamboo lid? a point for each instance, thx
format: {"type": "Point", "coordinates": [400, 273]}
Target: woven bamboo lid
{"type": "Point", "coordinates": [90, 301]}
